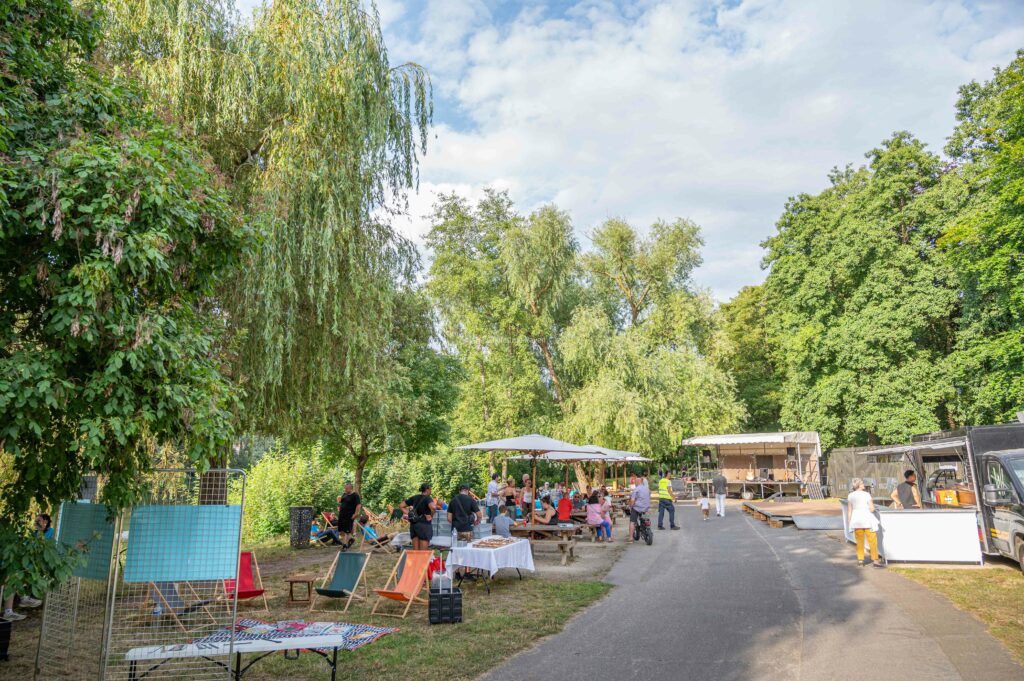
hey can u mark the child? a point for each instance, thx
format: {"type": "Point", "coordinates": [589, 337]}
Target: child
{"type": "Point", "coordinates": [503, 522]}
{"type": "Point", "coordinates": [705, 504]}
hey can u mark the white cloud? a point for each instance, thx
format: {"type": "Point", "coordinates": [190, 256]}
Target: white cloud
{"type": "Point", "coordinates": [714, 111]}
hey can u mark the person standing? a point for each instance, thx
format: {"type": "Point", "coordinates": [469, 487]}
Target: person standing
{"type": "Point", "coordinates": [464, 513]}
{"type": "Point", "coordinates": [860, 517]}
{"type": "Point", "coordinates": [526, 503]}
{"type": "Point", "coordinates": [419, 511]}
{"type": "Point", "coordinates": [666, 502]}
{"type": "Point", "coordinates": [348, 510]}
{"type": "Point", "coordinates": [493, 497]}
{"type": "Point", "coordinates": [907, 494]}
{"type": "Point", "coordinates": [720, 485]}
{"type": "Point", "coordinates": [704, 503]}
{"type": "Point", "coordinates": [639, 503]}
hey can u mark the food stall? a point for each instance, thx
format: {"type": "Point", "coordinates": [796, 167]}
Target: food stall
{"type": "Point", "coordinates": [952, 526]}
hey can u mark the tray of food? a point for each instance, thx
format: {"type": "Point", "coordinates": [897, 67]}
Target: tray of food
{"type": "Point", "coordinates": [492, 543]}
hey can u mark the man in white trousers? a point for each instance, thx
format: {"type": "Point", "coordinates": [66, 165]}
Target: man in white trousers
{"type": "Point", "coordinates": [718, 482]}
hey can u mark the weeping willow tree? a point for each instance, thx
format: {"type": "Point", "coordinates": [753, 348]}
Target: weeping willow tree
{"type": "Point", "coordinates": [319, 136]}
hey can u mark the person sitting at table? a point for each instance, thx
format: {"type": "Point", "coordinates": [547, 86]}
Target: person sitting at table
{"type": "Point", "coordinates": [594, 518]}
{"type": "Point", "coordinates": [503, 523]}
{"type": "Point", "coordinates": [547, 514]}
{"type": "Point", "coordinates": [565, 510]}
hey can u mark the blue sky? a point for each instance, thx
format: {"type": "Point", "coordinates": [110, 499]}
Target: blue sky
{"type": "Point", "coordinates": [713, 110]}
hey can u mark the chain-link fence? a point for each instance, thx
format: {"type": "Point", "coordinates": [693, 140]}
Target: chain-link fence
{"type": "Point", "coordinates": [157, 577]}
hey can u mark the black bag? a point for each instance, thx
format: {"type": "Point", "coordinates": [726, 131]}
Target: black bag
{"type": "Point", "coordinates": [445, 605]}
{"type": "Point", "coordinates": [413, 515]}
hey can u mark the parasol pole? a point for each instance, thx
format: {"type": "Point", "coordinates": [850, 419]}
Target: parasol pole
{"type": "Point", "coordinates": [533, 492]}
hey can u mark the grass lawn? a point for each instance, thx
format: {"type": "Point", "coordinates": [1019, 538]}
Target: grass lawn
{"type": "Point", "coordinates": [514, 615]}
{"type": "Point", "coordinates": [994, 595]}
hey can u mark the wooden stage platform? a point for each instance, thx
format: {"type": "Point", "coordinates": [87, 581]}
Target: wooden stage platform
{"type": "Point", "coordinates": [810, 514]}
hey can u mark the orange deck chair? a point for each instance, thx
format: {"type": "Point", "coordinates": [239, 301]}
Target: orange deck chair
{"type": "Point", "coordinates": [248, 578]}
{"type": "Point", "coordinates": [406, 588]}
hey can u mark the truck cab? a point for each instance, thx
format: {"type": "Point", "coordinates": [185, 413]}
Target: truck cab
{"type": "Point", "coordinates": [1001, 478]}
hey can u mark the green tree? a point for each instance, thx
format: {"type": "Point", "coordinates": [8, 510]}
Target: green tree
{"type": "Point", "coordinates": [319, 133]}
{"type": "Point", "coordinates": [752, 358]}
{"type": "Point", "coordinates": [485, 322]}
{"type": "Point", "coordinates": [402, 408]}
{"type": "Point", "coordinates": [114, 236]}
{"type": "Point", "coordinates": [985, 245]}
{"type": "Point", "coordinates": [860, 301]}
{"type": "Point", "coordinates": [636, 273]}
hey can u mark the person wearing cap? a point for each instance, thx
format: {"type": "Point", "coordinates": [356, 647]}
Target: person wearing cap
{"type": "Point", "coordinates": [464, 513]}
{"type": "Point", "coordinates": [419, 511]}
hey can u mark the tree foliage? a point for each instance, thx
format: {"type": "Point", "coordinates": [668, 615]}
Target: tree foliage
{"type": "Point", "coordinates": [752, 358]}
{"type": "Point", "coordinates": [617, 347]}
{"type": "Point", "coordinates": [320, 135]}
{"type": "Point", "coordinates": [861, 301]}
{"type": "Point", "coordinates": [985, 246]}
{"type": "Point", "coordinates": [113, 237]}
{"type": "Point", "coordinates": [401, 406]}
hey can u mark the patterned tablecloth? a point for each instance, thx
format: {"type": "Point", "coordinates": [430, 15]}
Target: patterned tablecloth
{"type": "Point", "coordinates": [253, 636]}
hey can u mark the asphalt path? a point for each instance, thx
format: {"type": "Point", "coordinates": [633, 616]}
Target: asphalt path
{"type": "Point", "coordinates": [731, 598]}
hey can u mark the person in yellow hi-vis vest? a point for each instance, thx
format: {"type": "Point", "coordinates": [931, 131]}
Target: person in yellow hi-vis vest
{"type": "Point", "coordinates": [666, 502]}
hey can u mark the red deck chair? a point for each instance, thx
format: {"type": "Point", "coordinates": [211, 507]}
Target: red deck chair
{"type": "Point", "coordinates": [250, 582]}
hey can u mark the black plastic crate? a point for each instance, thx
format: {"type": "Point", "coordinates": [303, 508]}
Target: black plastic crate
{"type": "Point", "coordinates": [445, 606]}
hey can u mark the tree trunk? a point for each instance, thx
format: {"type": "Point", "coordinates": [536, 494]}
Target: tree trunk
{"type": "Point", "coordinates": [550, 362]}
{"type": "Point", "coordinates": [581, 476]}
{"type": "Point", "coordinates": [361, 459]}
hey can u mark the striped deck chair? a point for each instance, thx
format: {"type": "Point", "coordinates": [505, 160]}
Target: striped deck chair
{"type": "Point", "coordinates": [405, 588]}
{"type": "Point", "coordinates": [170, 604]}
{"type": "Point", "coordinates": [250, 582]}
{"type": "Point", "coordinates": [344, 575]}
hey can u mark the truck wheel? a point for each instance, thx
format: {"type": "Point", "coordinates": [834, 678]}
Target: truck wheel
{"type": "Point", "coordinates": [1020, 554]}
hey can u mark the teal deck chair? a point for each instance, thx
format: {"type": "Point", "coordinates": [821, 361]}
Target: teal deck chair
{"type": "Point", "coordinates": [343, 578]}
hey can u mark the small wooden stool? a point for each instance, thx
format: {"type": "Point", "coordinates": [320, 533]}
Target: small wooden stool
{"type": "Point", "coordinates": [300, 579]}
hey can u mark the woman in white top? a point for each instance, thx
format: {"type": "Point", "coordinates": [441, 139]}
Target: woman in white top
{"type": "Point", "coordinates": [861, 519]}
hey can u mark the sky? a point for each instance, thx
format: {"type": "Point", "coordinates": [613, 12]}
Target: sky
{"type": "Point", "coordinates": [713, 110]}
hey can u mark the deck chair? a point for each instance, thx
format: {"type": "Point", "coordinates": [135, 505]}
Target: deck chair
{"type": "Point", "coordinates": [342, 579]}
{"type": "Point", "coordinates": [377, 542]}
{"type": "Point", "coordinates": [407, 587]}
{"type": "Point", "coordinates": [250, 582]}
{"type": "Point", "coordinates": [171, 604]}
{"type": "Point", "coordinates": [330, 523]}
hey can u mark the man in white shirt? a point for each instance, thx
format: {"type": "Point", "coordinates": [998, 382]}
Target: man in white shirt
{"type": "Point", "coordinates": [493, 493]}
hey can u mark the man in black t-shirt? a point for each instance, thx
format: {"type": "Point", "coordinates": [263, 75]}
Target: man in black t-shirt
{"type": "Point", "coordinates": [349, 506]}
{"type": "Point", "coordinates": [419, 511]}
{"type": "Point", "coordinates": [463, 513]}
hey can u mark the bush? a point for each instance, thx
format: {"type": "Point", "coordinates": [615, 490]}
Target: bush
{"type": "Point", "coordinates": [284, 478]}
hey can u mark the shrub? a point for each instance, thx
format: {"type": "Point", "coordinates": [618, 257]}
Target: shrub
{"type": "Point", "coordinates": [284, 478]}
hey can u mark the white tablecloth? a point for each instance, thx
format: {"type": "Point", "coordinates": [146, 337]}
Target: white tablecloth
{"type": "Point", "coordinates": [515, 555]}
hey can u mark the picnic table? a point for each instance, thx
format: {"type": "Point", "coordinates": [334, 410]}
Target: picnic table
{"type": "Point", "coordinates": [562, 535]}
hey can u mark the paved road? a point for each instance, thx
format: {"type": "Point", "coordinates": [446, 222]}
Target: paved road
{"type": "Point", "coordinates": [731, 599]}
